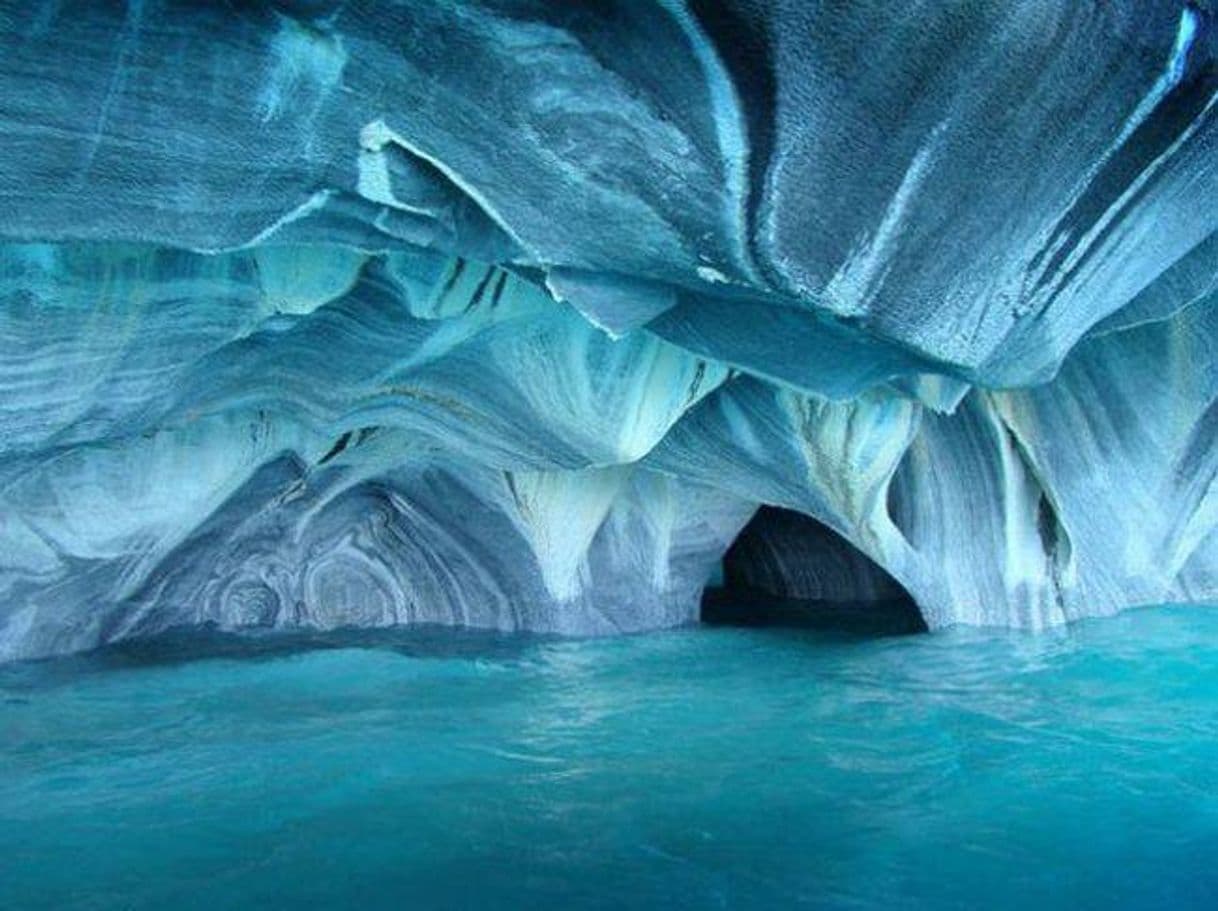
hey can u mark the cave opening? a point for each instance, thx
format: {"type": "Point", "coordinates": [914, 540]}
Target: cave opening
{"type": "Point", "coordinates": [787, 569]}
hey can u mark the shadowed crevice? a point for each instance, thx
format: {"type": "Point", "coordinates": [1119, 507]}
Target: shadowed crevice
{"type": "Point", "coordinates": [788, 569]}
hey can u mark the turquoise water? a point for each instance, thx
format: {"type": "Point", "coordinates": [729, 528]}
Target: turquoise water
{"type": "Point", "coordinates": [704, 768]}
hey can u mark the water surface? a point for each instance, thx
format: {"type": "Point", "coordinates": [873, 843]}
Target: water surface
{"type": "Point", "coordinates": [703, 768]}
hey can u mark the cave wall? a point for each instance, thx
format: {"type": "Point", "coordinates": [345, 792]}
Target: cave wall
{"type": "Point", "coordinates": [512, 313]}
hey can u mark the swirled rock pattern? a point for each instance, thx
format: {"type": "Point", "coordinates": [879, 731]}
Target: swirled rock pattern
{"type": "Point", "coordinates": [511, 313]}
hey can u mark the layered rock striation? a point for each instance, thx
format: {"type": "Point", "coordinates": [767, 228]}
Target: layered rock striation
{"type": "Point", "coordinates": [511, 314]}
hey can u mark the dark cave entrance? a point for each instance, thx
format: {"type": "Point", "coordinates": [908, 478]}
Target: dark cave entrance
{"type": "Point", "coordinates": [788, 569]}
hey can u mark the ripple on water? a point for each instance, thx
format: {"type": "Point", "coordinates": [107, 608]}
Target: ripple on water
{"type": "Point", "coordinates": [715, 767]}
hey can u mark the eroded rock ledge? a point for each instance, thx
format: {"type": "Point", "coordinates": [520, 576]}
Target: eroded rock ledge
{"type": "Point", "coordinates": [512, 314]}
